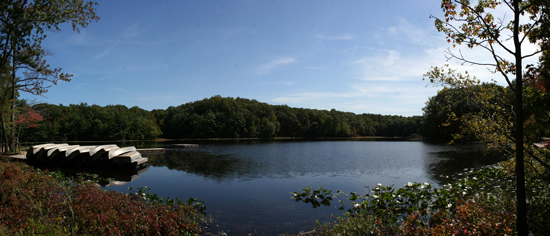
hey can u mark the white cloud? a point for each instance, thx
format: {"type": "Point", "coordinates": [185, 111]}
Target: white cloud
{"type": "Point", "coordinates": [355, 49]}
{"type": "Point", "coordinates": [381, 81]}
{"type": "Point", "coordinates": [382, 64]}
{"type": "Point", "coordinates": [393, 30]}
{"type": "Point", "coordinates": [309, 96]}
{"type": "Point", "coordinates": [361, 90]}
{"type": "Point", "coordinates": [383, 109]}
{"type": "Point", "coordinates": [268, 67]}
{"type": "Point", "coordinates": [368, 97]}
{"type": "Point", "coordinates": [393, 56]}
{"type": "Point", "coordinates": [394, 78]}
{"type": "Point", "coordinates": [478, 55]}
{"type": "Point", "coordinates": [405, 31]}
{"type": "Point", "coordinates": [384, 56]}
{"type": "Point", "coordinates": [389, 81]}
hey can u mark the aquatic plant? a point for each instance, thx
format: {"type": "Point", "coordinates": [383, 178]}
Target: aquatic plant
{"type": "Point", "coordinates": [477, 203]}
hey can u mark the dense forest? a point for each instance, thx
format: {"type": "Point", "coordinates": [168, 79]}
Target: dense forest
{"type": "Point", "coordinates": [215, 117]}
{"type": "Point", "coordinates": [91, 123]}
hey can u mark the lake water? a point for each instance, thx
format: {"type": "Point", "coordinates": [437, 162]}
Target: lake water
{"type": "Point", "coordinates": [245, 185]}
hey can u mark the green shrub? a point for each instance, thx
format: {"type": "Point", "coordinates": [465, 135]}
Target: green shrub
{"type": "Point", "coordinates": [480, 203]}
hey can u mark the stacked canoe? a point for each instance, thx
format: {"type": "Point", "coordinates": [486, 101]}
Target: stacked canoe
{"type": "Point", "coordinates": [75, 155]}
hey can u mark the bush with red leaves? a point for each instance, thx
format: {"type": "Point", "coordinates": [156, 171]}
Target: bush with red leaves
{"type": "Point", "coordinates": [34, 202]}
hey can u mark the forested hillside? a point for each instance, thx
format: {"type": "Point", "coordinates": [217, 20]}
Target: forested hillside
{"type": "Point", "coordinates": [91, 123]}
{"type": "Point", "coordinates": [215, 117]}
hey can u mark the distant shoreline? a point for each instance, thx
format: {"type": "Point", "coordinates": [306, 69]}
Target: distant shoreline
{"type": "Point", "coordinates": [230, 139]}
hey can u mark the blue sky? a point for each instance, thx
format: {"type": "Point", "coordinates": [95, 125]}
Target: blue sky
{"type": "Point", "coordinates": [353, 56]}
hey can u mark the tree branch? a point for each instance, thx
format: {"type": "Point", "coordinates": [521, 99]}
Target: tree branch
{"type": "Point", "coordinates": [488, 30]}
{"type": "Point", "coordinates": [532, 54]}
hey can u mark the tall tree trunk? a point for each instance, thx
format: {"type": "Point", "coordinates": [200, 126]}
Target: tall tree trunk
{"type": "Point", "coordinates": [3, 130]}
{"type": "Point", "coordinates": [4, 133]}
{"type": "Point", "coordinates": [13, 97]}
{"type": "Point", "coordinates": [522, 227]}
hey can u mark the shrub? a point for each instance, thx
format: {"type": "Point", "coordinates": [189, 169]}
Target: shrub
{"type": "Point", "coordinates": [481, 203]}
{"type": "Point", "coordinates": [35, 202]}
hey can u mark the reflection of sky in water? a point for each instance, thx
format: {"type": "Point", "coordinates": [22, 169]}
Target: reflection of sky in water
{"type": "Point", "coordinates": [246, 186]}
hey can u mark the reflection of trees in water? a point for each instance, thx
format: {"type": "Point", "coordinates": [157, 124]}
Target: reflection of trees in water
{"type": "Point", "coordinates": [103, 176]}
{"type": "Point", "coordinates": [219, 167]}
{"type": "Point", "coordinates": [453, 162]}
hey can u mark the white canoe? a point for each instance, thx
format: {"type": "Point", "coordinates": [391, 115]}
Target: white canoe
{"type": "Point", "coordinates": [117, 151]}
{"type": "Point", "coordinates": [55, 151]}
{"type": "Point", "coordinates": [73, 152]}
{"type": "Point", "coordinates": [100, 150]}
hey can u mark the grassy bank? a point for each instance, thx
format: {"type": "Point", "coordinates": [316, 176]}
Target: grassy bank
{"type": "Point", "coordinates": [33, 202]}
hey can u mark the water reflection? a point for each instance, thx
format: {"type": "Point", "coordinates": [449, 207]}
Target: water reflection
{"type": "Point", "coordinates": [447, 163]}
{"type": "Point", "coordinates": [122, 179]}
{"type": "Point", "coordinates": [105, 177]}
{"type": "Point", "coordinates": [203, 163]}
{"type": "Point", "coordinates": [226, 162]}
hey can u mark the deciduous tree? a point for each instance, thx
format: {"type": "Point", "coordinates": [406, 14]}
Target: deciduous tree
{"type": "Point", "coordinates": [476, 25]}
{"type": "Point", "coordinates": [23, 26]}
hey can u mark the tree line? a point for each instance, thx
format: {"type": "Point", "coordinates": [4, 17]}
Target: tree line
{"type": "Point", "coordinates": [90, 123]}
{"type": "Point", "coordinates": [215, 117]}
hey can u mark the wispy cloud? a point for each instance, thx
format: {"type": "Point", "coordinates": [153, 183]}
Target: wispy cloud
{"type": "Point", "coordinates": [268, 67]}
{"type": "Point", "coordinates": [361, 90]}
{"type": "Point", "coordinates": [80, 86]}
{"type": "Point", "coordinates": [378, 97]}
{"type": "Point", "coordinates": [335, 37]}
{"type": "Point", "coordinates": [355, 49]}
{"type": "Point", "coordinates": [393, 56]}
{"type": "Point", "coordinates": [285, 82]}
{"type": "Point", "coordinates": [381, 81]}
{"type": "Point", "coordinates": [82, 39]}
{"type": "Point", "coordinates": [104, 53]}
{"type": "Point", "coordinates": [134, 30]}
{"type": "Point", "coordinates": [309, 96]}
{"type": "Point", "coordinates": [405, 31]}
{"type": "Point", "coordinates": [380, 64]}
{"type": "Point", "coordinates": [395, 78]}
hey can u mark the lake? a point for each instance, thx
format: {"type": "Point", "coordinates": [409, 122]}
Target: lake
{"type": "Point", "coordinates": [245, 184]}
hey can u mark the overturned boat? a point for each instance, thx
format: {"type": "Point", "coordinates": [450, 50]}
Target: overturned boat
{"type": "Point", "coordinates": [110, 156]}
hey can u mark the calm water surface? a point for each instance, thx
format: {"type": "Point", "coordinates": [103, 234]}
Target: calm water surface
{"type": "Point", "coordinates": [246, 185]}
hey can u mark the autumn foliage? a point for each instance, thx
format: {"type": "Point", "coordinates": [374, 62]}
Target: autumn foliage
{"type": "Point", "coordinates": [29, 119]}
{"type": "Point", "coordinates": [39, 203]}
